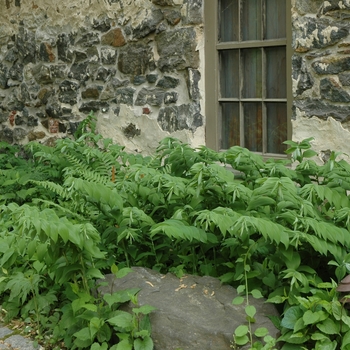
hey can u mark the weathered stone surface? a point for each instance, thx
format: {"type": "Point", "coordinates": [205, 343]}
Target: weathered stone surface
{"type": "Point", "coordinates": [92, 92]}
{"type": "Point", "coordinates": [194, 77]}
{"type": "Point", "coordinates": [317, 33]}
{"type": "Point", "coordinates": [131, 131]}
{"type": "Point", "coordinates": [125, 96]}
{"type": "Point", "coordinates": [168, 82]}
{"type": "Point", "coordinates": [58, 71]}
{"type": "Point", "coordinates": [26, 46]}
{"type": "Point", "coordinates": [135, 59]}
{"type": "Point", "coordinates": [323, 110]}
{"type": "Point", "coordinates": [16, 71]}
{"type": "Point", "coordinates": [36, 135]}
{"type": "Point", "coordinates": [303, 78]}
{"type": "Point", "coordinates": [148, 25]}
{"type": "Point", "coordinates": [88, 39]}
{"type": "Point", "coordinates": [103, 73]}
{"type": "Point", "coordinates": [171, 97]}
{"type": "Point", "coordinates": [19, 134]}
{"type": "Point", "coordinates": [3, 76]}
{"type": "Point", "coordinates": [186, 116]}
{"type": "Point", "coordinates": [79, 71]}
{"type": "Point", "coordinates": [344, 78]}
{"type": "Point", "coordinates": [177, 49]}
{"type": "Point", "coordinates": [329, 6]}
{"type": "Point", "coordinates": [102, 25]}
{"type": "Point", "coordinates": [331, 90]}
{"type": "Point", "coordinates": [64, 44]}
{"type": "Point", "coordinates": [139, 80]}
{"type": "Point", "coordinates": [114, 37]}
{"type": "Point", "coordinates": [108, 56]}
{"type": "Point", "coordinates": [97, 58]}
{"type": "Point", "coordinates": [68, 92]}
{"type": "Point", "coordinates": [173, 17]}
{"type": "Point", "coordinates": [194, 12]}
{"type": "Point", "coordinates": [192, 312]}
{"type": "Point", "coordinates": [6, 135]}
{"type": "Point", "coordinates": [53, 109]}
{"type": "Point", "coordinates": [163, 2]}
{"type": "Point", "coordinates": [94, 106]}
{"type": "Point", "coordinates": [151, 78]}
{"type": "Point", "coordinates": [152, 97]}
{"type": "Point", "coordinates": [42, 74]}
{"type": "Point", "coordinates": [46, 53]}
{"type": "Point", "coordinates": [332, 65]}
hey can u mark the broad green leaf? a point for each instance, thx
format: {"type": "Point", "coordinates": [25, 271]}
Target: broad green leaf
{"type": "Point", "coordinates": [124, 345]}
{"type": "Point", "coordinates": [240, 289]}
{"type": "Point", "coordinates": [144, 309]}
{"type": "Point", "coordinates": [122, 319]}
{"type": "Point", "coordinates": [120, 297]}
{"type": "Point", "coordinates": [122, 272]}
{"type": "Point", "coordinates": [345, 341]}
{"type": "Point", "coordinates": [238, 300]}
{"type": "Point", "coordinates": [328, 326]}
{"type": "Point", "coordinates": [291, 316]}
{"type": "Point", "coordinates": [261, 332]}
{"type": "Point", "coordinates": [256, 294]}
{"type": "Point", "coordinates": [83, 334]}
{"type": "Point", "coordinates": [250, 310]}
{"type": "Point", "coordinates": [241, 340]}
{"type": "Point", "coordinates": [242, 330]}
{"type": "Point", "coordinates": [96, 346]}
{"type": "Point", "coordinates": [143, 344]}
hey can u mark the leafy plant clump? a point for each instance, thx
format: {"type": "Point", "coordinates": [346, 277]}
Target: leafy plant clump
{"type": "Point", "coordinates": [72, 212]}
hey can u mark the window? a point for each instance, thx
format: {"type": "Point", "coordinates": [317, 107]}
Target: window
{"type": "Point", "coordinates": [248, 74]}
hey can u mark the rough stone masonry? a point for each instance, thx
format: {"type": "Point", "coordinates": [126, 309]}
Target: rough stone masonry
{"type": "Point", "coordinates": [139, 66]}
{"type": "Point", "coordinates": [135, 64]}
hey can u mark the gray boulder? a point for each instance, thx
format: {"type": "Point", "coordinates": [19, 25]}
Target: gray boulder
{"type": "Point", "coordinates": [192, 313]}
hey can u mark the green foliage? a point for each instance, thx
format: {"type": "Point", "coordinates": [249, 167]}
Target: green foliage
{"type": "Point", "coordinates": [274, 229]}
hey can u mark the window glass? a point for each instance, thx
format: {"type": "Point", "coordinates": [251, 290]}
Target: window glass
{"type": "Point", "coordinates": [276, 127]}
{"type": "Point", "coordinates": [253, 130]}
{"type": "Point", "coordinates": [275, 19]}
{"type": "Point", "coordinates": [229, 73]}
{"type": "Point", "coordinates": [229, 20]}
{"type": "Point", "coordinates": [251, 20]}
{"type": "Point", "coordinates": [252, 73]}
{"type": "Point", "coordinates": [230, 125]}
{"type": "Point", "coordinates": [276, 72]}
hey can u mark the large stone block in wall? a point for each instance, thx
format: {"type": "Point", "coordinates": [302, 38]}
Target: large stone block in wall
{"type": "Point", "coordinates": [331, 90]}
{"type": "Point", "coordinates": [316, 33]}
{"type": "Point", "coordinates": [321, 109]}
{"type": "Point", "coordinates": [134, 59]}
{"type": "Point", "coordinates": [331, 65]}
{"type": "Point", "coordinates": [148, 25]}
{"type": "Point", "coordinates": [177, 49]}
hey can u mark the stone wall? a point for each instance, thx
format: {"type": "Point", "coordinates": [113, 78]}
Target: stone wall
{"type": "Point", "coordinates": [321, 73]}
{"type": "Point", "coordinates": [134, 63]}
{"type": "Point", "coordinates": [139, 65]}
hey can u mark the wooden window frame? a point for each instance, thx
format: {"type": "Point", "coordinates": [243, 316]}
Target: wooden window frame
{"type": "Point", "coordinates": [211, 51]}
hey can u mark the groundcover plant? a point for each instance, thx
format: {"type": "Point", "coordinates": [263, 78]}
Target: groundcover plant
{"type": "Point", "coordinates": [277, 229]}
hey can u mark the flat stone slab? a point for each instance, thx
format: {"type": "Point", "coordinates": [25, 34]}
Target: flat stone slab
{"type": "Point", "coordinates": [191, 312]}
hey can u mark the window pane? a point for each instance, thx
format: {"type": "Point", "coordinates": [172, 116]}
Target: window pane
{"type": "Point", "coordinates": [276, 127]}
{"type": "Point", "coordinates": [253, 126]}
{"type": "Point", "coordinates": [251, 19]}
{"type": "Point", "coordinates": [275, 19]}
{"type": "Point", "coordinates": [228, 20]}
{"type": "Point", "coordinates": [252, 73]}
{"type": "Point", "coordinates": [276, 72]}
{"type": "Point", "coordinates": [230, 125]}
{"type": "Point", "coordinates": [229, 73]}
